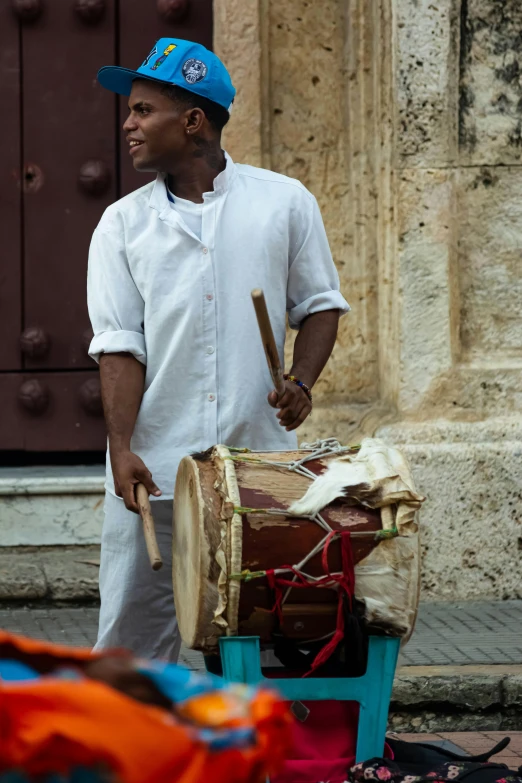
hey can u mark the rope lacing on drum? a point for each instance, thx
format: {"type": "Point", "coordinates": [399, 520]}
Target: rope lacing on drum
{"type": "Point", "coordinates": [341, 581]}
{"type": "Point", "coordinates": [318, 449]}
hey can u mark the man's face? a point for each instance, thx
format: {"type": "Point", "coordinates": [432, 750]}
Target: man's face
{"type": "Point", "coordinates": [158, 123]}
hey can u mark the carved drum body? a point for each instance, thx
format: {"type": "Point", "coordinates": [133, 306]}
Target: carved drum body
{"type": "Point", "coordinates": [231, 524]}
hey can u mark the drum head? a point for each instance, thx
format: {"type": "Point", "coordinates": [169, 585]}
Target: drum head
{"type": "Point", "coordinates": [193, 561]}
{"type": "Point", "coordinates": [187, 552]}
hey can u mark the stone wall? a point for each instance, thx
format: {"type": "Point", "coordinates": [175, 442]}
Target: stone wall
{"type": "Point", "coordinates": [297, 122]}
{"type": "Point", "coordinates": [404, 118]}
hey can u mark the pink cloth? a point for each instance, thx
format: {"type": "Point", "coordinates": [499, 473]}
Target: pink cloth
{"type": "Point", "coordinates": [324, 745]}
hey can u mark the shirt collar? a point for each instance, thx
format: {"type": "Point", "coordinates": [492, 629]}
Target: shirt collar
{"type": "Point", "coordinates": [225, 178]}
{"type": "Point", "coordinates": [159, 197]}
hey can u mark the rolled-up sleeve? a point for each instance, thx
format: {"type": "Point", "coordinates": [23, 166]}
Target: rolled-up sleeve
{"type": "Point", "coordinates": [116, 307]}
{"type": "Point", "coordinates": [313, 282]}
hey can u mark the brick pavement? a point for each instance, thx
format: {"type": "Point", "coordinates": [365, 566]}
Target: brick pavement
{"type": "Point", "coordinates": [446, 634]}
{"type": "Point", "coordinates": [67, 625]}
{"type": "Point", "coordinates": [63, 625]}
{"type": "Point", "coordinates": [477, 632]}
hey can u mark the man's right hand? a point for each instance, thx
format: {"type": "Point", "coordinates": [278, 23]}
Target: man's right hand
{"type": "Point", "coordinates": [129, 471]}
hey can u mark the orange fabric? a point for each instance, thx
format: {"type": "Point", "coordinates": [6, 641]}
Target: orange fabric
{"type": "Point", "coordinates": [55, 725]}
{"type": "Point", "coordinates": [52, 725]}
{"type": "Point", "coordinates": [217, 708]}
{"type": "Point", "coordinates": [44, 656]}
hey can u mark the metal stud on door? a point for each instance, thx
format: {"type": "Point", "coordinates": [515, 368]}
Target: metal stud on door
{"type": "Point", "coordinates": [90, 397]}
{"type": "Point", "coordinates": [90, 11]}
{"type": "Point", "coordinates": [27, 11]}
{"type": "Point", "coordinates": [34, 396]}
{"type": "Point", "coordinates": [34, 342]}
{"type": "Point", "coordinates": [94, 177]}
{"type": "Point", "coordinates": [173, 11]}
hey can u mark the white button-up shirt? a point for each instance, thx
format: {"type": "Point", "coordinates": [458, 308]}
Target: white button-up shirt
{"type": "Point", "coordinates": [182, 306]}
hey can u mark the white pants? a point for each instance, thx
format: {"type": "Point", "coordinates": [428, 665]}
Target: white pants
{"type": "Point", "coordinates": [137, 603]}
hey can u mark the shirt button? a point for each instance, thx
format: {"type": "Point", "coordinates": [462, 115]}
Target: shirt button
{"type": "Point", "coordinates": [210, 297]}
{"type": "Point", "coordinates": [205, 250]}
{"type": "Point", "coordinates": [211, 397]}
{"type": "Point", "coordinates": [210, 349]}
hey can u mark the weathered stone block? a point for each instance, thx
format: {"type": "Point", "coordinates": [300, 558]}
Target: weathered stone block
{"type": "Point", "coordinates": [306, 68]}
{"type": "Point", "coordinates": [36, 520]}
{"type": "Point", "coordinates": [471, 527]}
{"type": "Point", "coordinates": [490, 227]}
{"type": "Point", "coordinates": [429, 722]}
{"type": "Point", "coordinates": [76, 583]}
{"type": "Point", "coordinates": [238, 41]}
{"type": "Point", "coordinates": [475, 692]}
{"type": "Point", "coordinates": [343, 422]}
{"type": "Point", "coordinates": [427, 64]}
{"type": "Point", "coordinates": [475, 391]}
{"type": "Point", "coordinates": [46, 506]}
{"type": "Point", "coordinates": [308, 72]}
{"type": "Point", "coordinates": [427, 205]}
{"type": "Point", "coordinates": [512, 690]}
{"type": "Point", "coordinates": [59, 573]}
{"type": "Point", "coordinates": [490, 127]}
{"type": "Point", "coordinates": [21, 581]}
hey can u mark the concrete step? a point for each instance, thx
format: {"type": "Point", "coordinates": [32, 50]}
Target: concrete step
{"type": "Point", "coordinates": [457, 698]}
{"type": "Point", "coordinates": [49, 574]}
{"type": "Point", "coordinates": [51, 505]}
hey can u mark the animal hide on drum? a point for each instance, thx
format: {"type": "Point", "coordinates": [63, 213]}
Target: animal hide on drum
{"type": "Point", "coordinates": [378, 476]}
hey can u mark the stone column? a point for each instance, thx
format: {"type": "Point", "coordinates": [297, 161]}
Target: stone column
{"type": "Point", "coordinates": [315, 102]}
{"type": "Point", "coordinates": [405, 120]}
{"type": "Point", "coordinates": [460, 235]}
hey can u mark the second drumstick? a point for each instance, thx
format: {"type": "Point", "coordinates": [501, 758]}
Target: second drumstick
{"type": "Point", "coordinates": [269, 344]}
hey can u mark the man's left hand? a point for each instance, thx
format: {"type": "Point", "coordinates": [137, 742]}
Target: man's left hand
{"type": "Point", "coordinates": [294, 406]}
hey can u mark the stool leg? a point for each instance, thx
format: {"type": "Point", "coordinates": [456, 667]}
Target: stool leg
{"type": "Point", "coordinates": [241, 659]}
{"type": "Point", "coordinates": [213, 665]}
{"type": "Point", "coordinates": [374, 707]}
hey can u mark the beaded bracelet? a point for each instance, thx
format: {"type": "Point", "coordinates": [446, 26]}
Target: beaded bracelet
{"type": "Point", "coordinates": [301, 385]}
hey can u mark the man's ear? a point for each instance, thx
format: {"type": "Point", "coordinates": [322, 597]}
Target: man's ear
{"type": "Point", "coordinates": [194, 119]}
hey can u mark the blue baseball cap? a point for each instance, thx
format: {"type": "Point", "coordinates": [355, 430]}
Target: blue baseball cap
{"type": "Point", "coordinates": [176, 62]}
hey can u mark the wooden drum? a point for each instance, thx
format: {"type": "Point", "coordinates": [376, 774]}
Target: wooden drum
{"type": "Point", "coordinates": [229, 523]}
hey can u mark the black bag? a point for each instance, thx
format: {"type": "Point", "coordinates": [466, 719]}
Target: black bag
{"type": "Point", "coordinates": [418, 762]}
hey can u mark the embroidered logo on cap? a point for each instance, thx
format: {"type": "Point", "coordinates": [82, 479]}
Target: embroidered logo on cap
{"type": "Point", "coordinates": [163, 57]}
{"type": "Point", "coordinates": [194, 71]}
{"type": "Point", "coordinates": [152, 52]}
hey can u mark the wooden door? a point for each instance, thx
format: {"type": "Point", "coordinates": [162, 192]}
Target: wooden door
{"type": "Point", "coordinates": [63, 160]}
{"type": "Point", "coordinates": [139, 30]}
{"type": "Point", "coordinates": [10, 197]}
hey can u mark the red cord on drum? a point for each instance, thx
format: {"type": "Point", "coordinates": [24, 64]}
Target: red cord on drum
{"type": "Point", "coordinates": [344, 580]}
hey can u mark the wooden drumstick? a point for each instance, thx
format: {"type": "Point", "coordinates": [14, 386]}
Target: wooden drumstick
{"type": "Point", "coordinates": [267, 336]}
{"type": "Point", "coordinates": [142, 497]}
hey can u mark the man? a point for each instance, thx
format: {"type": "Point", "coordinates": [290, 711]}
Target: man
{"type": "Point", "coordinates": [171, 268]}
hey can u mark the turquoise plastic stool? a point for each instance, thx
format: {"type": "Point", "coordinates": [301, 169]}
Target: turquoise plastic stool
{"type": "Point", "coordinates": [240, 657]}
